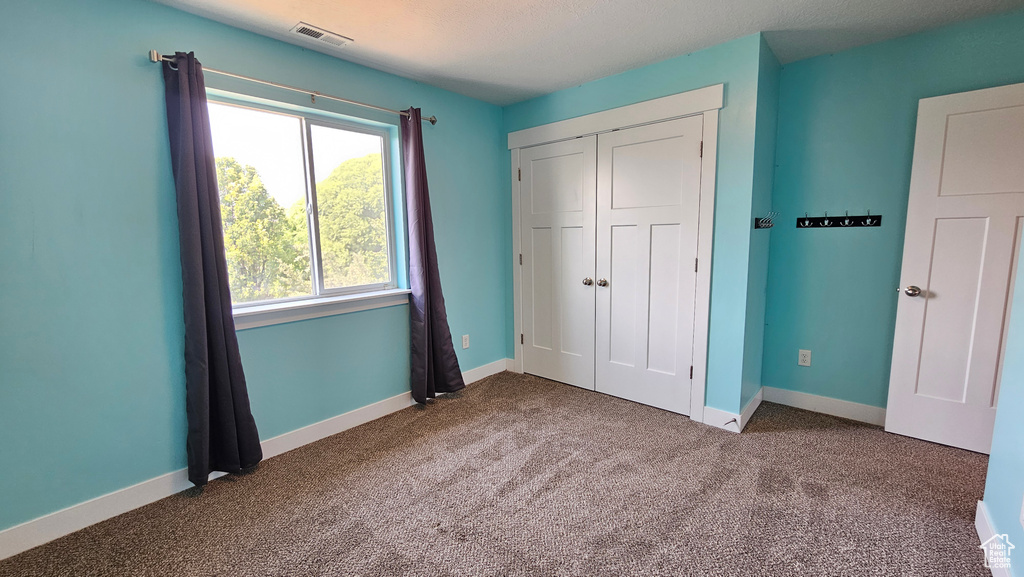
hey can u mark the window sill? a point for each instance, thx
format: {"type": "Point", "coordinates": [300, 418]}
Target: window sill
{"type": "Point", "coordinates": [313, 308]}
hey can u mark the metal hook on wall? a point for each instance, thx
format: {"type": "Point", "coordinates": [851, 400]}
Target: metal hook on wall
{"type": "Point", "coordinates": [766, 221]}
{"type": "Point", "coordinates": [847, 221]}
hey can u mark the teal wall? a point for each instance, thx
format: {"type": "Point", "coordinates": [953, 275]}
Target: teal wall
{"type": "Point", "coordinates": [736, 64]}
{"type": "Point", "coordinates": [846, 136]}
{"type": "Point", "coordinates": [1004, 485]}
{"type": "Point", "coordinates": [91, 370]}
{"type": "Point", "coordinates": [766, 128]}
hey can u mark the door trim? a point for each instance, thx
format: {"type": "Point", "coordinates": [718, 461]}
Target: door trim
{"type": "Point", "coordinates": [705, 236]}
{"type": "Point", "coordinates": [656, 110]}
{"type": "Point", "coordinates": [517, 269]}
{"type": "Point", "coordinates": [669, 107]}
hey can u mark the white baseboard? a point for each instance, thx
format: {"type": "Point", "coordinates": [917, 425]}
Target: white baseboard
{"type": "Point", "coordinates": [826, 405]}
{"type": "Point", "coordinates": [310, 433]}
{"type": "Point", "coordinates": [752, 406]}
{"type": "Point", "coordinates": [731, 421]}
{"type": "Point", "coordinates": [44, 529]}
{"type": "Point", "coordinates": [983, 524]}
{"type": "Point", "coordinates": [721, 419]}
{"type": "Point", "coordinates": [479, 373]}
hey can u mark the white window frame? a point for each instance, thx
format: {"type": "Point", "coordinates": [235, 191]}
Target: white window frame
{"type": "Point", "coordinates": [324, 301]}
{"type": "Point", "coordinates": [316, 264]}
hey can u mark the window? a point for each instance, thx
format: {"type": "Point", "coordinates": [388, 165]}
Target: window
{"type": "Point", "coordinates": [305, 204]}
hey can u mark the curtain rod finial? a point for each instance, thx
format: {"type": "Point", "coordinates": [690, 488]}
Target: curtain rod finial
{"type": "Point", "coordinates": [154, 56]}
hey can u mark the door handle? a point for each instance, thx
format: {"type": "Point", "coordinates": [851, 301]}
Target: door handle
{"type": "Point", "coordinates": [602, 282]}
{"type": "Point", "coordinates": [912, 291]}
{"type": "Point", "coordinates": [588, 281]}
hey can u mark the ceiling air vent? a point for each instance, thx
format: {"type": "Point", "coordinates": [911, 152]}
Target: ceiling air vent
{"type": "Point", "coordinates": [320, 35]}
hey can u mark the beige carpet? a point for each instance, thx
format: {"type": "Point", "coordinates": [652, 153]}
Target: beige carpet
{"type": "Point", "coordinates": [521, 476]}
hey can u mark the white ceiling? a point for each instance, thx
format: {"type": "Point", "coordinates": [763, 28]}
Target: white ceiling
{"type": "Point", "coordinates": [503, 52]}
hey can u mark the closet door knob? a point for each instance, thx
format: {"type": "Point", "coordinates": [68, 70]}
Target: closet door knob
{"type": "Point", "coordinates": [588, 281]}
{"type": "Point", "coordinates": [602, 282]}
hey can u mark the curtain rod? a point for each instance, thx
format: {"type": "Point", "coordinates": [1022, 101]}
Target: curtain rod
{"type": "Point", "coordinates": [155, 56]}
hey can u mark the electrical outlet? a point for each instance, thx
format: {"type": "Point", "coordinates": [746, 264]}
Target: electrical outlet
{"type": "Point", "coordinates": [465, 341]}
{"type": "Point", "coordinates": [804, 359]}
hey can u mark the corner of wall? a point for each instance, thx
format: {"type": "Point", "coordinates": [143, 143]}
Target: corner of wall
{"type": "Point", "coordinates": [765, 136]}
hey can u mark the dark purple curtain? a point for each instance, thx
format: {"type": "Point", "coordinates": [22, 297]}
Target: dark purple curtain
{"type": "Point", "coordinates": [435, 368]}
{"type": "Point", "coordinates": [221, 431]}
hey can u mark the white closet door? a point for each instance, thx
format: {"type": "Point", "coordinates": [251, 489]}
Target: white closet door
{"type": "Point", "coordinates": [648, 199]}
{"type": "Point", "coordinates": [964, 226]}
{"type": "Point", "coordinates": [558, 212]}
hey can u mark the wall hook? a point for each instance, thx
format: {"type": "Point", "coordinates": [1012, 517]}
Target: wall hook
{"type": "Point", "coordinates": [832, 222]}
{"type": "Point", "coordinates": [766, 221]}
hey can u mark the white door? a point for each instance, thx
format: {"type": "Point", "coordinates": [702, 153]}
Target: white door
{"type": "Point", "coordinates": [648, 201]}
{"type": "Point", "coordinates": [964, 224]}
{"type": "Point", "coordinates": [557, 225]}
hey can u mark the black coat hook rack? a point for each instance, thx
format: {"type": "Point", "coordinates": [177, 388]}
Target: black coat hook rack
{"type": "Point", "coordinates": [845, 221]}
{"type": "Point", "coordinates": [766, 221]}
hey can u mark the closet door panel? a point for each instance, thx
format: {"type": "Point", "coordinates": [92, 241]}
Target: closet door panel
{"type": "Point", "coordinates": [637, 165]}
{"type": "Point", "coordinates": [540, 252]}
{"type": "Point", "coordinates": [663, 328]}
{"type": "Point", "coordinates": [622, 346]}
{"type": "Point", "coordinates": [558, 211]}
{"type": "Point", "coordinates": [575, 315]}
{"type": "Point", "coordinates": [649, 185]}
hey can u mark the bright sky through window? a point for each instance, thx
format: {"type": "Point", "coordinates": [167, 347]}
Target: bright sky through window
{"type": "Point", "coordinates": [273, 144]}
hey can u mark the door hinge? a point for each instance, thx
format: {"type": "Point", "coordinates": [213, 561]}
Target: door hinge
{"type": "Point", "coordinates": [522, 341]}
{"type": "Point", "coordinates": [520, 258]}
{"type": "Point", "coordinates": [691, 372]}
{"type": "Point", "coordinates": [520, 174]}
{"type": "Point", "coordinates": [702, 149]}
